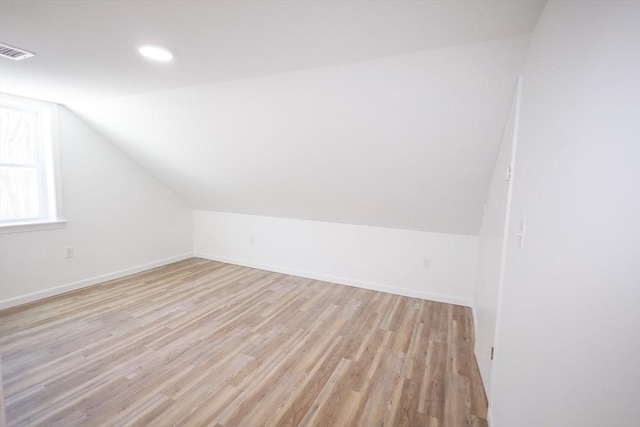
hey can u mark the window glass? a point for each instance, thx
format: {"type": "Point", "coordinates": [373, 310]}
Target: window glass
{"type": "Point", "coordinates": [17, 136]}
{"type": "Point", "coordinates": [19, 195]}
{"type": "Point", "coordinates": [28, 192]}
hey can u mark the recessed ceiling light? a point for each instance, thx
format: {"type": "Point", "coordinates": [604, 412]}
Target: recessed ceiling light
{"type": "Point", "coordinates": [155, 52]}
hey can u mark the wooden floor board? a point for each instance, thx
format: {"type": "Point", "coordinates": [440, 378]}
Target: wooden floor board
{"type": "Point", "coordinates": [203, 343]}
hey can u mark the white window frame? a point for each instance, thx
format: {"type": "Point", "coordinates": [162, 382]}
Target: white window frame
{"type": "Point", "coordinates": [48, 164]}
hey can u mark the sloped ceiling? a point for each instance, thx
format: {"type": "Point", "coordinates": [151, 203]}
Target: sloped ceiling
{"type": "Point", "coordinates": [407, 141]}
{"type": "Point", "coordinates": [375, 113]}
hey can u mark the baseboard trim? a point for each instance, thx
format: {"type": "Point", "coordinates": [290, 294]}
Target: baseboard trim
{"type": "Point", "coordinates": [337, 279]}
{"type": "Point", "coordinates": [80, 284]}
{"type": "Point", "coordinates": [46, 293]}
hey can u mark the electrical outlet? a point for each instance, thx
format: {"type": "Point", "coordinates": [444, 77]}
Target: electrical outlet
{"type": "Point", "coordinates": [68, 252]}
{"type": "Point", "coordinates": [252, 240]}
{"type": "Point", "coordinates": [426, 263]}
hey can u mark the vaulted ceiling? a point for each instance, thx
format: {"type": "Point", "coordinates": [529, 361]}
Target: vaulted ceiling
{"type": "Point", "coordinates": [377, 113]}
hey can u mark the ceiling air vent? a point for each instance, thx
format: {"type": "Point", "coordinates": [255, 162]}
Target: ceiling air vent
{"type": "Point", "coordinates": [14, 53]}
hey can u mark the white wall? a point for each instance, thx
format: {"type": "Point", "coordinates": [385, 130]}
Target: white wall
{"type": "Point", "coordinates": [491, 245]}
{"type": "Point", "coordinates": [377, 258]}
{"type": "Point", "coordinates": [120, 219]}
{"type": "Point", "coordinates": [568, 352]}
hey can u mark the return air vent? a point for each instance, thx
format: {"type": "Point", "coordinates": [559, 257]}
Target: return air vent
{"type": "Point", "coordinates": [14, 53]}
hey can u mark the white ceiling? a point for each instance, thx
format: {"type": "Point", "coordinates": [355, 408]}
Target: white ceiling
{"type": "Point", "coordinates": [365, 112]}
{"type": "Point", "coordinates": [87, 49]}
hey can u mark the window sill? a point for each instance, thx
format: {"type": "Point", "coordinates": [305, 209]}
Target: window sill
{"type": "Point", "coordinates": [22, 227]}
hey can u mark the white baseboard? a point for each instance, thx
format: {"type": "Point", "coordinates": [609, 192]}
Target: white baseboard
{"type": "Point", "coordinates": [34, 296]}
{"type": "Point", "coordinates": [339, 280]}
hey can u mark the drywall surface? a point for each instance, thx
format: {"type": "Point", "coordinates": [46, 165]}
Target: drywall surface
{"type": "Point", "coordinates": [568, 351]}
{"type": "Point", "coordinates": [120, 219]}
{"type": "Point", "coordinates": [383, 259]}
{"type": "Point", "coordinates": [407, 141]}
{"type": "Point", "coordinates": [491, 251]}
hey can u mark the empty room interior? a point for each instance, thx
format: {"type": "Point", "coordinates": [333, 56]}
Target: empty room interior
{"type": "Point", "coordinates": [320, 213]}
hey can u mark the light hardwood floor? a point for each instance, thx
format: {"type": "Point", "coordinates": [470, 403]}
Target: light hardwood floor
{"type": "Point", "coordinates": [200, 343]}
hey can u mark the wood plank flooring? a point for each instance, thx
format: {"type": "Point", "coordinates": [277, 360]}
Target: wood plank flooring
{"type": "Point", "coordinates": [202, 343]}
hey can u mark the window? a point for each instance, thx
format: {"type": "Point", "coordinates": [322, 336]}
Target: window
{"type": "Point", "coordinates": [29, 197]}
